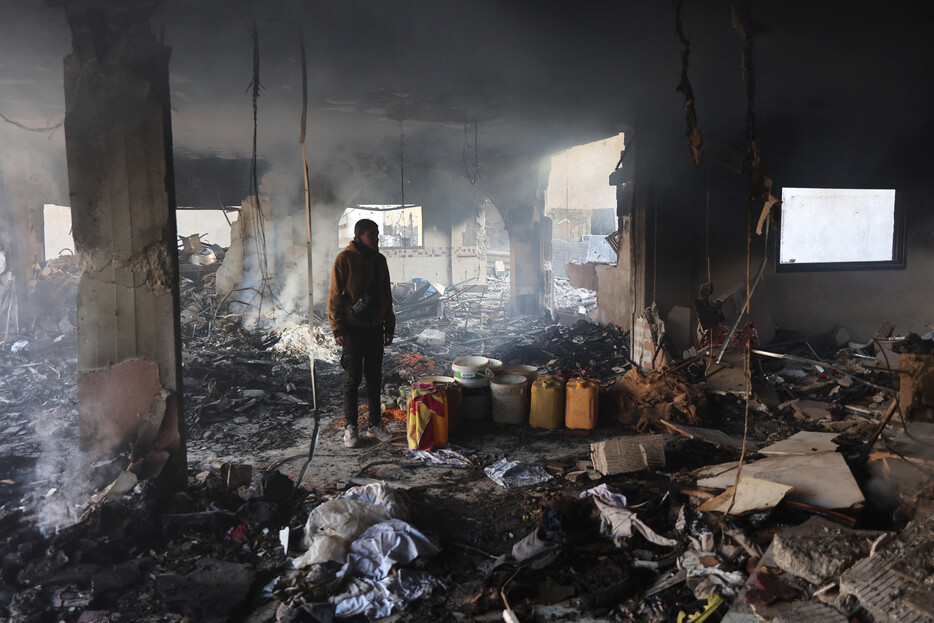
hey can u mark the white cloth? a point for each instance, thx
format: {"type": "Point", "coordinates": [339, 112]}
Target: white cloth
{"type": "Point", "coordinates": [619, 522]}
{"type": "Point", "coordinates": [384, 545]}
{"type": "Point", "coordinates": [379, 598]}
{"type": "Point", "coordinates": [334, 525]}
{"type": "Point", "coordinates": [608, 494]}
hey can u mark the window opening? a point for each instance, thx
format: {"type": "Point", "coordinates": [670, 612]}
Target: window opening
{"type": "Point", "coordinates": [834, 229]}
{"type": "Point", "coordinates": [400, 226]}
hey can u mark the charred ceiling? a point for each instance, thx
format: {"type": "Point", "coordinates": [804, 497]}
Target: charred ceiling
{"type": "Point", "coordinates": [535, 77]}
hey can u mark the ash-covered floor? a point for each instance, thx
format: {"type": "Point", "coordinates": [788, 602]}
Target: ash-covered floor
{"type": "Point", "coordinates": [73, 552]}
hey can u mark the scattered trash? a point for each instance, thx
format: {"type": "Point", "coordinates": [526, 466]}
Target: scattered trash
{"type": "Point", "coordinates": [513, 474]}
{"type": "Point", "coordinates": [818, 415]}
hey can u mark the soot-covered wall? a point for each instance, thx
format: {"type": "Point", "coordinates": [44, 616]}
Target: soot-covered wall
{"type": "Point", "coordinates": [840, 102]}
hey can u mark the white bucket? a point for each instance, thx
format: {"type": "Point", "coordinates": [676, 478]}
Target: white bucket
{"type": "Point", "coordinates": [496, 365]}
{"type": "Point", "coordinates": [529, 372]}
{"type": "Point", "coordinates": [510, 405]}
{"type": "Point", "coordinates": [472, 371]}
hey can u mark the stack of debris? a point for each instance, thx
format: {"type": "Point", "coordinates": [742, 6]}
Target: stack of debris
{"type": "Point", "coordinates": [574, 301]}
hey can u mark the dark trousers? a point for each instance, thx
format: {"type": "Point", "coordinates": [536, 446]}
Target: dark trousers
{"type": "Point", "coordinates": [362, 358]}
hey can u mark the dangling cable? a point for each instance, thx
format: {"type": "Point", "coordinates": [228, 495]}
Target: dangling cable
{"type": "Point", "coordinates": [655, 250]}
{"type": "Point", "coordinates": [402, 158]}
{"type": "Point", "coordinates": [402, 178]}
{"type": "Point", "coordinates": [707, 234]}
{"type": "Point", "coordinates": [259, 226]}
{"type": "Point", "coordinates": [757, 181]}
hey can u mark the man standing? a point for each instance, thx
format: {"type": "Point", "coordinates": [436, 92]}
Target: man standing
{"type": "Point", "coordinates": [361, 317]}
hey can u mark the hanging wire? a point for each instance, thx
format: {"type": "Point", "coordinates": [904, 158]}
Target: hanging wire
{"type": "Point", "coordinates": [752, 146]}
{"type": "Point", "coordinates": [707, 232]}
{"type": "Point", "coordinates": [50, 129]}
{"type": "Point", "coordinates": [258, 224]}
{"type": "Point", "coordinates": [402, 178]}
{"type": "Point", "coordinates": [402, 158]}
{"type": "Point", "coordinates": [655, 250]}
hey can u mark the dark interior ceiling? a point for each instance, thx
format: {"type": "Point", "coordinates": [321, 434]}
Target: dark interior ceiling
{"type": "Point", "coordinates": [536, 76]}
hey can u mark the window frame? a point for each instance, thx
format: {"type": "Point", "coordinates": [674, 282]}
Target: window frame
{"type": "Point", "coordinates": [395, 208]}
{"type": "Point", "coordinates": [898, 261]}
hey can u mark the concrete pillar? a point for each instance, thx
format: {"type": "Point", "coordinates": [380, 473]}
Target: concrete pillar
{"type": "Point", "coordinates": [518, 190]}
{"type": "Point", "coordinates": [526, 270]}
{"type": "Point", "coordinates": [119, 149]}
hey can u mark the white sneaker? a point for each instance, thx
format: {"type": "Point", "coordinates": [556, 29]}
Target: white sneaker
{"type": "Point", "coordinates": [350, 437]}
{"type": "Point", "coordinates": [378, 432]}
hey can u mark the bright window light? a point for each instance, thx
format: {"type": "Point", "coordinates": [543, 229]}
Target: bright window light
{"type": "Point", "coordinates": [837, 226]}
{"type": "Point", "coordinates": [399, 226]}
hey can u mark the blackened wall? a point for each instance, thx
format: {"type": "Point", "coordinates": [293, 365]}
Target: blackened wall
{"type": "Point", "coordinates": [839, 102]}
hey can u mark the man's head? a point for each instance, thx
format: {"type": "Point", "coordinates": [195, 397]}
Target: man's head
{"type": "Point", "coordinates": [367, 232]}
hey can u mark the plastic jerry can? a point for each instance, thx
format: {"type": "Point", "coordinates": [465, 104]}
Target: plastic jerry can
{"type": "Point", "coordinates": [427, 425]}
{"type": "Point", "coordinates": [547, 409]}
{"type": "Point", "coordinates": [580, 406]}
{"type": "Point", "coordinates": [451, 389]}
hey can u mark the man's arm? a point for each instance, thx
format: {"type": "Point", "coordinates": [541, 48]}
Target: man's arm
{"type": "Point", "coordinates": [337, 305]}
{"type": "Point", "coordinates": [389, 318]}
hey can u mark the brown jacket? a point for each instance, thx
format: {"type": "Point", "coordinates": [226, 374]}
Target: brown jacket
{"type": "Point", "coordinates": [356, 272]}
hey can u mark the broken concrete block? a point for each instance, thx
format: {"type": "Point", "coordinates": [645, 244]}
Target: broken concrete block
{"type": "Point", "coordinates": [820, 556]}
{"type": "Point", "coordinates": [236, 475]}
{"type": "Point", "coordinates": [628, 454]}
{"type": "Point", "coordinates": [880, 583]}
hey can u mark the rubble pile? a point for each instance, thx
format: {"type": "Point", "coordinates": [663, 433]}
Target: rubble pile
{"type": "Point", "coordinates": [798, 492]}
{"type": "Point", "coordinates": [241, 393]}
{"type": "Point", "coordinates": [571, 300]}
{"type": "Point", "coordinates": [193, 556]}
{"type": "Point", "coordinates": [597, 352]}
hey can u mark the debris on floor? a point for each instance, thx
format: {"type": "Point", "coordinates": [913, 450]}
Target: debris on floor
{"type": "Point", "coordinates": [803, 494]}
